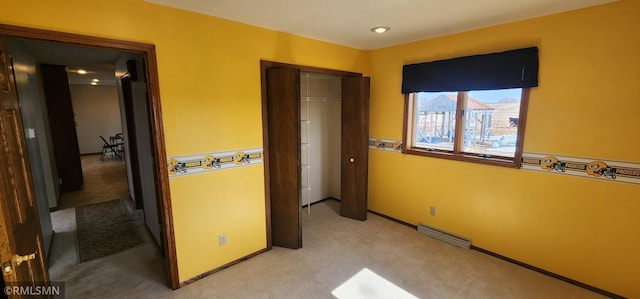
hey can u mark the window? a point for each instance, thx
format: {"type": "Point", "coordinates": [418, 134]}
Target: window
{"type": "Point", "coordinates": [469, 108]}
{"type": "Point", "coordinates": [479, 126]}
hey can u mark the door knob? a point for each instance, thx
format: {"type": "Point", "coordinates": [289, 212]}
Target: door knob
{"type": "Point", "coordinates": [7, 268]}
{"type": "Point", "coordinates": [352, 160]}
{"type": "Point", "coordinates": [19, 259]}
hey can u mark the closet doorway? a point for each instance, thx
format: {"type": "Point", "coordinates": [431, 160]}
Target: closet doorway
{"type": "Point", "coordinates": [320, 120]}
{"type": "Point", "coordinates": [288, 136]}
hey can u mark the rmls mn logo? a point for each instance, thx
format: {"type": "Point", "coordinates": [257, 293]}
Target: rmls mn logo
{"type": "Point", "coordinates": [52, 290]}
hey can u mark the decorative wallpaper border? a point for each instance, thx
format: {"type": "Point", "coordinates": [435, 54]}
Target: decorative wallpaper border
{"type": "Point", "coordinates": [192, 164]}
{"type": "Point", "coordinates": [618, 171]}
{"type": "Point", "coordinates": [385, 144]}
{"type": "Point", "coordinates": [628, 172]}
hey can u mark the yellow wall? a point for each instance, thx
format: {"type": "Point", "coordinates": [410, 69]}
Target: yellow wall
{"type": "Point", "coordinates": [210, 93]}
{"type": "Point", "coordinates": [587, 105]}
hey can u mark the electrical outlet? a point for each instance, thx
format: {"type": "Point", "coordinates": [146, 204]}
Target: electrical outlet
{"type": "Point", "coordinates": [432, 211]}
{"type": "Point", "coordinates": [222, 239]}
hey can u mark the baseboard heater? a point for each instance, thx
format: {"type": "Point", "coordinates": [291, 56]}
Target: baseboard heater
{"type": "Point", "coordinates": [447, 237]}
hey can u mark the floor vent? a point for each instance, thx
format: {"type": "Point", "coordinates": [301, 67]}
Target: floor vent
{"type": "Point", "coordinates": [441, 235]}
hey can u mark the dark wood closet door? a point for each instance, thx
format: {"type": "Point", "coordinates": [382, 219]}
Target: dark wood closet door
{"type": "Point", "coordinates": [283, 117]}
{"type": "Point", "coordinates": [355, 147]}
{"type": "Point", "coordinates": [63, 126]}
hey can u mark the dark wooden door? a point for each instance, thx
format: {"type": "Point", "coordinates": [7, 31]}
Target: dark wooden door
{"type": "Point", "coordinates": [127, 95]}
{"type": "Point", "coordinates": [283, 121]}
{"type": "Point", "coordinates": [63, 126]}
{"type": "Point", "coordinates": [21, 248]}
{"type": "Point", "coordinates": [355, 147]}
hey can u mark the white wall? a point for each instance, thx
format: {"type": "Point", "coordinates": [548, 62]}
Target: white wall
{"type": "Point", "coordinates": [97, 113]}
{"type": "Point", "coordinates": [321, 121]}
{"type": "Point", "coordinates": [145, 159]}
{"type": "Point", "coordinates": [143, 142]}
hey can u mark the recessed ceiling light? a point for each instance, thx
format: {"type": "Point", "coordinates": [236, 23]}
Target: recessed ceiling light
{"type": "Point", "coordinates": [94, 83]}
{"type": "Point", "coordinates": [81, 72]}
{"type": "Point", "coordinates": [380, 29]}
{"type": "Point", "coordinates": [95, 80]}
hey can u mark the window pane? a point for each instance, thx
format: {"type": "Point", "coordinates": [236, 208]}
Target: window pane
{"type": "Point", "coordinates": [491, 126]}
{"type": "Point", "coordinates": [435, 119]}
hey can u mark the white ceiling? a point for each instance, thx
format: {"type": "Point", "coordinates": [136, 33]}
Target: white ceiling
{"type": "Point", "coordinates": [99, 64]}
{"type": "Point", "coordinates": [348, 22]}
{"type": "Point", "coordinates": [344, 22]}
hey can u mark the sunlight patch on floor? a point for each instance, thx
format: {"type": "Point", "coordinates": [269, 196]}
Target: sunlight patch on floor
{"type": "Point", "coordinates": [367, 284]}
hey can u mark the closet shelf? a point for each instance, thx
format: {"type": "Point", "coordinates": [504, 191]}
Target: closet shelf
{"type": "Point", "coordinates": [319, 99]}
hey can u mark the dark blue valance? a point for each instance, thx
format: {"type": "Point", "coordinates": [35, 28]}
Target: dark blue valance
{"type": "Point", "coordinates": [510, 69]}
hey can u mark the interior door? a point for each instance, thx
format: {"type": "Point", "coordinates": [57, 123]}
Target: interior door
{"type": "Point", "coordinates": [283, 121]}
{"type": "Point", "coordinates": [63, 126]}
{"type": "Point", "coordinates": [355, 147]}
{"type": "Point", "coordinates": [132, 145]}
{"type": "Point", "coordinates": [21, 248]}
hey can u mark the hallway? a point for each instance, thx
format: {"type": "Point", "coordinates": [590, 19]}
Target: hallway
{"type": "Point", "coordinates": [137, 268]}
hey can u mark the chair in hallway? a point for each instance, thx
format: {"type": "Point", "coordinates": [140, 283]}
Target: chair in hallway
{"type": "Point", "coordinates": [118, 142]}
{"type": "Point", "coordinates": [107, 147]}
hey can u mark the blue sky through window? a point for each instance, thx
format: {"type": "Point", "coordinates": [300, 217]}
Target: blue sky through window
{"type": "Point", "coordinates": [495, 96]}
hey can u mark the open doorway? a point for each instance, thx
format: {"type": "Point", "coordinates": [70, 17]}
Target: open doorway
{"type": "Point", "coordinates": [154, 151]}
{"type": "Point", "coordinates": [320, 123]}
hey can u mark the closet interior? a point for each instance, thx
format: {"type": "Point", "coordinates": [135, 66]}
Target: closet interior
{"type": "Point", "coordinates": [320, 115]}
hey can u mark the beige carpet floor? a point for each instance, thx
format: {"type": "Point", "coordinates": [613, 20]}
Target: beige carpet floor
{"type": "Point", "coordinates": [341, 258]}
